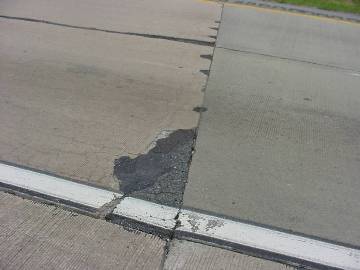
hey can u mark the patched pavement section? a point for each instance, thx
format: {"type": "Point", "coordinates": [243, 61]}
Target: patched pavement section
{"type": "Point", "coordinates": [279, 143]}
{"type": "Point", "coordinates": [37, 236]}
{"type": "Point", "coordinates": [73, 100]}
{"type": "Point", "coordinates": [159, 175]}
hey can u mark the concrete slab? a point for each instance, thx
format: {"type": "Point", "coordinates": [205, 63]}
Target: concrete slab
{"type": "Point", "coordinates": [73, 100]}
{"type": "Point", "coordinates": [188, 255]}
{"type": "Point", "coordinates": [36, 236]}
{"type": "Point", "coordinates": [314, 39]}
{"type": "Point", "coordinates": [279, 145]}
{"type": "Point", "coordinates": [179, 18]}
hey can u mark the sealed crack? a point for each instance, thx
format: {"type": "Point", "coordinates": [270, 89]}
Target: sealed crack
{"type": "Point", "coordinates": [161, 174]}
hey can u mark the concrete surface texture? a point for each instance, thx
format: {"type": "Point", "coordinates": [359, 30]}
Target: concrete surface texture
{"type": "Point", "coordinates": [291, 35]}
{"type": "Point", "coordinates": [187, 19]}
{"type": "Point", "coordinates": [37, 236]}
{"type": "Point", "coordinates": [281, 136]}
{"type": "Point", "coordinates": [184, 255]}
{"type": "Point", "coordinates": [73, 100]}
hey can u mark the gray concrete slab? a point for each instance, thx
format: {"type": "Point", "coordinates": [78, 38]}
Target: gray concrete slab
{"type": "Point", "coordinates": [179, 18]}
{"type": "Point", "coordinates": [279, 145]}
{"type": "Point", "coordinates": [74, 100]}
{"type": "Point", "coordinates": [37, 236]}
{"type": "Point", "coordinates": [291, 35]}
{"type": "Point", "coordinates": [188, 255]}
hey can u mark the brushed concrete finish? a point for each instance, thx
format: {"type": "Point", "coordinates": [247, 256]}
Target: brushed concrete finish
{"type": "Point", "coordinates": [315, 39]}
{"type": "Point", "coordinates": [187, 255]}
{"type": "Point", "coordinates": [36, 236]}
{"type": "Point", "coordinates": [72, 100]}
{"type": "Point", "coordinates": [179, 18]}
{"type": "Point", "coordinates": [280, 145]}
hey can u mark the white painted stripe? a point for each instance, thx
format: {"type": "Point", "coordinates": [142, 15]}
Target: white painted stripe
{"type": "Point", "coordinates": [192, 222]}
{"type": "Point", "coordinates": [269, 240]}
{"type": "Point", "coordinates": [56, 187]}
{"type": "Point", "coordinates": [147, 212]}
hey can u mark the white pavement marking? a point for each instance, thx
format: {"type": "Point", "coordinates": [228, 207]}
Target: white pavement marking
{"type": "Point", "coordinates": [197, 225]}
{"type": "Point", "coordinates": [269, 240]}
{"type": "Point", "coordinates": [147, 212]}
{"type": "Point", "coordinates": [55, 187]}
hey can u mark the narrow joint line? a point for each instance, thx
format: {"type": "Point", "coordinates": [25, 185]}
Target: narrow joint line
{"type": "Point", "coordinates": [290, 59]}
{"type": "Point", "coordinates": [153, 36]}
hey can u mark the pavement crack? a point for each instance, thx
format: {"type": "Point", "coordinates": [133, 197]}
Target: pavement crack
{"type": "Point", "coordinates": [109, 207]}
{"type": "Point", "coordinates": [289, 59]}
{"type": "Point", "coordinates": [152, 36]}
{"type": "Point", "coordinates": [169, 240]}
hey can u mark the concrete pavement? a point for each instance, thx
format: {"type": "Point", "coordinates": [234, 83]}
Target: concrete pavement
{"type": "Point", "coordinates": [110, 95]}
{"type": "Point", "coordinates": [181, 19]}
{"type": "Point", "coordinates": [279, 142]}
{"type": "Point", "coordinates": [37, 236]}
{"type": "Point", "coordinates": [188, 255]}
{"type": "Point", "coordinates": [73, 100]}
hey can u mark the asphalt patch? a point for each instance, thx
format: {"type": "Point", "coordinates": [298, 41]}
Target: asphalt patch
{"type": "Point", "coordinates": [161, 174]}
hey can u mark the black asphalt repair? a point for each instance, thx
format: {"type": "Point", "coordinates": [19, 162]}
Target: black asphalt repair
{"type": "Point", "coordinates": [161, 174]}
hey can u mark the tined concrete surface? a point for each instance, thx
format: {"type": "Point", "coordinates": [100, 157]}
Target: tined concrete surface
{"type": "Point", "coordinates": [188, 255]}
{"type": "Point", "coordinates": [72, 101]}
{"type": "Point", "coordinates": [37, 236]}
{"type": "Point", "coordinates": [314, 39]}
{"type": "Point", "coordinates": [280, 142]}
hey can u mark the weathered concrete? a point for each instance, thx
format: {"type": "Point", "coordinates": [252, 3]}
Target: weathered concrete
{"type": "Point", "coordinates": [279, 143]}
{"type": "Point", "coordinates": [187, 255]}
{"type": "Point", "coordinates": [291, 35]}
{"type": "Point", "coordinates": [178, 18]}
{"type": "Point", "coordinates": [72, 100]}
{"type": "Point", "coordinates": [36, 236]}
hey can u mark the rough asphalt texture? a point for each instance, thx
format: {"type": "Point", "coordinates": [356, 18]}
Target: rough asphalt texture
{"type": "Point", "coordinates": [161, 174]}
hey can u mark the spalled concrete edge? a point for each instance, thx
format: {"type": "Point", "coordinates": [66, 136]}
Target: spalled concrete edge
{"type": "Point", "coordinates": [145, 216]}
{"type": "Point", "coordinates": [159, 175]}
{"type": "Point", "coordinates": [170, 222]}
{"type": "Point", "coordinates": [300, 9]}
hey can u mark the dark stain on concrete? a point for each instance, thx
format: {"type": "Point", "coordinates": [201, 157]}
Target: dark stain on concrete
{"type": "Point", "coordinates": [207, 56]}
{"type": "Point", "coordinates": [161, 174]}
{"type": "Point", "coordinates": [205, 71]}
{"type": "Point", "coordinates": [200, 109]}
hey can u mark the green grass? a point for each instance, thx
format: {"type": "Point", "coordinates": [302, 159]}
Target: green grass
{"type": "Point", "coordinates": [350, 6]}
